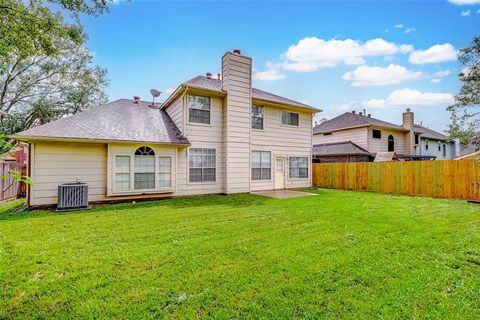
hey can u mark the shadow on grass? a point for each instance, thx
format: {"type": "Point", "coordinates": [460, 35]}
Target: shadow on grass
{"type": "Point", "coordinates": [238, 200]}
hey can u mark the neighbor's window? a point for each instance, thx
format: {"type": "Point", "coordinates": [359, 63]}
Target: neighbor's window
{"type": "Point", "coordinates": [202, 165]}
{"type": "Point", "coordinates": [257, 117]}
{"type": "Point", "coordinates": [439, 146]}
{"type": "Point", "coordinates": [290, 118]}
{"type": "Point", "coordinates": [298, 167]}
{"type": "Point", "coordinates": [391, 143]}
{"type": "Point", "coordinates": [144, 169]}
{"type": "Point", "coordinates": [444, 150]}
{"type": "Point", "coordinates": [122, 173]}
{"type": "Point", "coordinates": [261, 165]}
{"type": "Point", "coordinates": [416, 138]}
{"type": "Point", "coordinates": [376, 134]}
{"type": "Point", "coordinates": [327, 134]}
{"type": "Point", "coordinates": [164, 172]}
{"type": "Point", "coordinates": [426, 144]}
{"type": "Point", "coordinates": [199, 109]}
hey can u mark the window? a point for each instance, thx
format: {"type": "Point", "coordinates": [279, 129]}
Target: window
{"type": "Point", "coordinates": [122, 173]}
{"type": "Point", "coordinates": [426, 144]}
{"type": "Point", "coordinates": [261, 165]}
{"type": "Point", "coordinates": [444, 150]}
{"type": "Point", "coordinates": [144, 169]}
{"type": "Point", "coordinates": [416, 138]}
{"type": "Point", "coordinates": [391, 144]}
{"type": "Point", "coordinates": [164, 172]}
{"type": "Point", "coordinates": [289, 118]}
{"type": "Point", "coordinates": [298, 167]}
{"type": "Point", "coordinates": [327, 134]}
{"type": "Point", "coordinates": [202, 164]}
{"type": "Point", "coordinates": [199, 109]}
{"type": "Point", "coordinates": [257, 117]}
{"type": "Point", "coordinates": [376, 134]}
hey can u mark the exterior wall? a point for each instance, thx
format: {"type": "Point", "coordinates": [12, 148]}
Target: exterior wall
{"type": "Point", "coordinates": [237, 82]}
{"type": "Point", "coordinates": [433, 149]}
{"type": "Point", "coordinates": [356, 135]}
{"type": "Point", "coordinates": [57, 163]}
{"type": "Point", "coordinates": [381, 145]}
{"type": "Point", "coordinates": [176, 112]}
{"type": "Point", "coordinates": [283, 141]}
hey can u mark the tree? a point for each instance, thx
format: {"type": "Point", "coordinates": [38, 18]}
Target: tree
{"type": "Point", "coordinates": [465, 112]}
{"type": "Point", "coordinates": [47, 88]}
{"type": "Point", "coordinates": [29, 27]}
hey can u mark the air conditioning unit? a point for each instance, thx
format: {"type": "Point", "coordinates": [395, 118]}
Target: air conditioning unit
{"type": "Point", "coordinates": [72, 196]}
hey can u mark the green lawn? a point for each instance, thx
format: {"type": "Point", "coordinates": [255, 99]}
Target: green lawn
{"type": "Point", "coordinates": [340, 254]}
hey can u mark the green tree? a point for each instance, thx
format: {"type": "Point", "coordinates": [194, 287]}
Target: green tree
{"type": "Point", "coordinates": [465, 112]}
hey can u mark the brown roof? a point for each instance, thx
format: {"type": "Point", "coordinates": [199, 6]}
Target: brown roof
{"type": "Point", "coordinates": [338, 148]}
{"type": "Point", "coordinates": [429, 133]}
{"type": "Point", "coordinates": [214, 84]}
{"type": "Point", "coordinates": [348, 120]}
{"type": "Point", "coordinates": [120, 120]}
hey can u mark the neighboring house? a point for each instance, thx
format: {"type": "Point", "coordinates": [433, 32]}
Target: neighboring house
{"type": "Point", "coordinates": [340, 152]}
{"type": "Point", "coordinates": [210, 136]}
{"type": "Point", "coordinates": [409, 141]}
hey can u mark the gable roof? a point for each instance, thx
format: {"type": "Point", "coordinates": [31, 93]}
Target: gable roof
{"type": "Point", "coordinates": [212, 84]}
{"type": "Point", "coordinates": [429, 133]}
{"type": "Point", "coordinates": [339, 148]}
{"type": "Point", "coordinates": [349, 120]}
{"type": "Point", "coordinates": [120, 120]}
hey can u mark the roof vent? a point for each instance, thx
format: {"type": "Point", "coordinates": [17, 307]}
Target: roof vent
{"type": "Point", "coordinates": [237, 51]}
{"type": "Point", "coordinates": [219, 76]}
{"type": "Point", "coordinates": [369, 115]}
{"type": "Point", "coordinates": [361, 113]}
{"type": "Point", "coordinates": [136, 99]}
{"type": "Point", "coordinates": [209, 75]}
{"type": "Point", "coordinates": [353, 111]}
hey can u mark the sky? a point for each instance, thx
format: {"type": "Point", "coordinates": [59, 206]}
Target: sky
{"type": "Point", "coordinates": [382, 56]}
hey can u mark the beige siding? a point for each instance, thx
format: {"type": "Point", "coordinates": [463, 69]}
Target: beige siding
{"type": "Point", "coordinates": [237, 81]}
{"type": "Point", "coordinates": [176, 112]}
{"type": "Point", "coordinates": [283, 141]}
{"type": "Point", "coordinates": [57, 163]}
{"type": "Point", "coordinates": [355, 135]}
{"type": "Point", "coordinates": [381, 145]}
{"type": "Point", "coordinates": [203, 136]}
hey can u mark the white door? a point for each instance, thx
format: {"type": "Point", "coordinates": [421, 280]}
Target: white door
{"type": "Point", "coordinates": [279, 173]}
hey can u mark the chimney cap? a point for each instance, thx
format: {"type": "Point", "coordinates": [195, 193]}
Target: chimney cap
{"type": "Point", "coordinates": [408, 109]}
{"type": "Point", "coordinates": [209, 75]}
{"type": "Point", "coordinates": [237, 51]}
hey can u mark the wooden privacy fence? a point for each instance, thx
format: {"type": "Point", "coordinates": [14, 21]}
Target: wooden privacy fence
{"type": "Point", "coordinates": [9, 187]}
{"type": "Point", "coordinates": [442, 178]}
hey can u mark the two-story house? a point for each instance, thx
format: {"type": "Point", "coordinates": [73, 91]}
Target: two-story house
{"type": "Point", "coordinates": [357, 137]}
{"type": "Point", "coordinates": [212, 135]}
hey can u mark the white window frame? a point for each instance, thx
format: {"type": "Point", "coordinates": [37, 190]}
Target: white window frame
{"type": "Point", "coordinates": [209, 112]}
{"type": "Point", "coordinates": [263, 117]}
{"type": "Point", "coordinates": [289, 125]}
{"type": "Point", "coordinates": [308, 168]}
{"type": "Point", "coordinates": [159, 172]}
{"type": "Point", "coordinates": [188, 167]}
{"type": "Point", "coordinates": [251, 166]}
{"type": "Point", "coordinates": [114, 182]}
{"type": "Point", "coordinates": [155, 172]}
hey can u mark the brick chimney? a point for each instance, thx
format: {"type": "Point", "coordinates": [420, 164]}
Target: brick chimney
{"type": "Point", "coordinates": [237, 82]}
{"type": "Point", "coordinates": [408, 122]}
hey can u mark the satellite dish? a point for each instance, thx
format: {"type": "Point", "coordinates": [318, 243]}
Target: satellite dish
{"type": "Point", "coordinates": [155, 93]}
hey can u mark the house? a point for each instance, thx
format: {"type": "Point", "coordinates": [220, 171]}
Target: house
{"type": "Point", "coordinates": [212, 135]}
{"type": "Point", "coordinates": [409, 141]}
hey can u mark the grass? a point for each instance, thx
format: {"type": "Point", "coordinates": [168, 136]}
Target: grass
{"type": "Point", "coordinates": [347, 255]}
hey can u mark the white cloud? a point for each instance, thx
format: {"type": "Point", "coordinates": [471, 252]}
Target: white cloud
{"type": "Point", "coordinates": [311, 54]}
{"type": "Point", "coordinates": [377, 76]}
{"type": "Point", "coordinates": [169, 90]}
{"type": "Point", "coordinates": [478, 11]}
{"type": "Point", "coordinates": [441, 74]}
{"type": "Point", "coordinates": [434, 54]}
{"type": "Point", "coordinates": [408, 30]}
{"type": "Point", "coordinates": [409, 97]}
{"type": "Point", "coordinates": [346, 107]}
{"type": "Point", "coordinates": [435, 80]}
{"type": "Point", "coordinates": [463, 2]}
{"type": "Point", "coordinates": [271, 73]}
{"type": "Point", "coordinates": [465, 13]}
{"type": "Point", "coordinates": [398, 26]}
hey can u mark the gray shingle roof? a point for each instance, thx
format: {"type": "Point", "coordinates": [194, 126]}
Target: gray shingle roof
{"type": "Point", "coordinates": [349, 119]}
{"type": "Point", "coordinates": [338, 148]}
{"type": "Point", "coordinates": [429, 133]}
{"type": "Point", "coordinates": [120, 120]}
{"type": "Point", "coordinates": [213, 84]}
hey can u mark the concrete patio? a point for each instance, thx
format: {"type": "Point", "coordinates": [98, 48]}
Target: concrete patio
{"type": "Point", "coordinates": [283, 194]}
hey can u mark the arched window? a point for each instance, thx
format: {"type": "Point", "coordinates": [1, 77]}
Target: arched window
{"type": "Point", "coordinates": [144, 169]}
{"type": "Point", "coordinates": [391, 143]}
